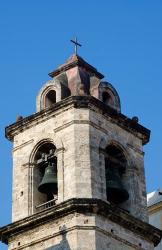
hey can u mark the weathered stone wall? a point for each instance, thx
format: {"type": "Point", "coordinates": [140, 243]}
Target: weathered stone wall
{"type": "Point", "coordinates": [109, 235]}
{"type": "Point", "coordinates": [79, 232]}
{"type": "Point", "coordinates": [102, 133]}
{"type": "Point", "coordinates": [72, 144]}
{"type": "Point", "coordinates": [79, 135]}
{"type": "Point", "coordinates": [25, 145]}
{"type": "Point", "coordinates": [50, 234]}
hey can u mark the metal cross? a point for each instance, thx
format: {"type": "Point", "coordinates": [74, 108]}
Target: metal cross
{"type": "Point", "coordinates": [76, 44]}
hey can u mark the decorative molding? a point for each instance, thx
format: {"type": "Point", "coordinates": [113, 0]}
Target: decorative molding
{"type": "Point", "coordinates": [79, 102]}
{"type": "Point", "coordinates": [86, 122]}
{"type": "Point", "coordinates": [135, 149]}
{"type": "Point", "coordinates": [78, 227]}
{"type": "Point", "coordinates": [84, 206]}
{"type": "Point", "coordinates": [22, 145]}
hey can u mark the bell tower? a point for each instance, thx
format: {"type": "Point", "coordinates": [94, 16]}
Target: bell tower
{"type": "Point", "coordinates": [78, 169]}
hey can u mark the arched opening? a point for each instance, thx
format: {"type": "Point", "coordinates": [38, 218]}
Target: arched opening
{"type": "Point", "coordinates": [106, 98]}
{"type": "Point", "coordinates": [115, 166]}
{"type": "Point", "coordinates": [50, 98]}
{"type": "Point", "coordinates": [45, 189]}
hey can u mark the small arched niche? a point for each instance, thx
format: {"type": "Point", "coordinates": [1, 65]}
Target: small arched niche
{"type": "Point", "coordinates": [109, 96]}
{"type": "Point", "coordinates": [52, 92]}
{"type": "Point", "coordinates": [115, 167]}
{"type": "Point", "coordinates": [45, 190]}
{"type": "Point", "coordinates": [50, 98]}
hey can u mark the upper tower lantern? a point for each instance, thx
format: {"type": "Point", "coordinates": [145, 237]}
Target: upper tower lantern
{"type": "Point", "coordinates": [76, 78]}
{"type": "Point", "coordinates": [78, 169]}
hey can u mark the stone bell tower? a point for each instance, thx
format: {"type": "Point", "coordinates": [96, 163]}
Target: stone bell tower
{"type": "Point", "coordinates": [78, 169]}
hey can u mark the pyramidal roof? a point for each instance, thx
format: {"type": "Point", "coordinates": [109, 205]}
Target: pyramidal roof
{"type": "Point", "coordinates": [73, 61]}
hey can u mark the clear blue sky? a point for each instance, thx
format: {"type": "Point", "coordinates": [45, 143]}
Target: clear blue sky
{"type": "Point", "coordinates": [123, 39]}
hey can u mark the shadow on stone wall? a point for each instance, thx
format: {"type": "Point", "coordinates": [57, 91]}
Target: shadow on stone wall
{"type": "Point", "coordinates": [63, 245]}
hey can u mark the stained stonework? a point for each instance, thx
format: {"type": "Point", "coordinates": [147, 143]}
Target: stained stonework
{"type": "Point", "coordinates": [82, 120]}
{"type": "Point", "coordinates": [79, 134]}
{"type": "Point", "coordinates": [81, 224]}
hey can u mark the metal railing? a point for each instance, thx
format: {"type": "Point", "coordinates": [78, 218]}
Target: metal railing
{"type": "Point", "coordinates": [46, 205]}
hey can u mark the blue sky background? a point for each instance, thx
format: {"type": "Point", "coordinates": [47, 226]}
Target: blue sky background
{"type": "Point", "coordinates": [122, 38]}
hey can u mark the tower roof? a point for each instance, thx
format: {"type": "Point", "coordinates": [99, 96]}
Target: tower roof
{"type": "Point", "coordinates": [154, 197]}
{"type": "Point", "coordinates": [73, 61]}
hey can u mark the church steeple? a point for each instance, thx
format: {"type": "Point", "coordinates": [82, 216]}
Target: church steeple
{"type": "Point", "coordinates": [81, 77]}
{"type": "Point", "coordinates": [78, 169]}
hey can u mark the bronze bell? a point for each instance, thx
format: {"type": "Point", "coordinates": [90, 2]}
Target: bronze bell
{"type": "Point", "coordinates": [116, 193]}
{"type": "Point", "coordinates": [48, 184]}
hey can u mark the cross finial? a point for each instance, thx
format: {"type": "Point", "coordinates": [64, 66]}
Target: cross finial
{"type": "Point", "coordinates": [76, 44]}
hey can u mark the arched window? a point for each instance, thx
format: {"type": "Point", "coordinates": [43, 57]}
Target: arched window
{"type": "Point", "coordinates": [106, 98]}
{"type": "Point", "coordinates": [45, 189]}
{"type": "Point", "coordinates": [115, 166]}
{"type": "Point", "coordinates": [50, 98]}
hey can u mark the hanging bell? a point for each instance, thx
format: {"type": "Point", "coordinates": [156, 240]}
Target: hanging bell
{"type": "Point", "coordinates": [116, 192]}
{"type": "Point", "coordinates": [48, 184]}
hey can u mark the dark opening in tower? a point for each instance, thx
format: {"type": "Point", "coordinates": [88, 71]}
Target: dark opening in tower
{"type": "Point", "coordinates": [106, 98]}
{"type": "Point", "coordinates": [115, 166]}
{"type": "Point", "coordinates": [45, 174]}
{"type": "Point", "coordinates": [50, 98]}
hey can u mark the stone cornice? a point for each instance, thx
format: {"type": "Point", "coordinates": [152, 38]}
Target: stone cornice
{"type": "Point", "coordinates": [84, 206]}
{"type": "Point", "coordinates": [79, 102]}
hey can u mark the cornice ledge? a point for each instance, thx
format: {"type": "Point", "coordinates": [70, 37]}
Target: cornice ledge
{"type": "Point", "coordinates": [80, 102]}
{"type": "Point", "coordinates": [81, 205]}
